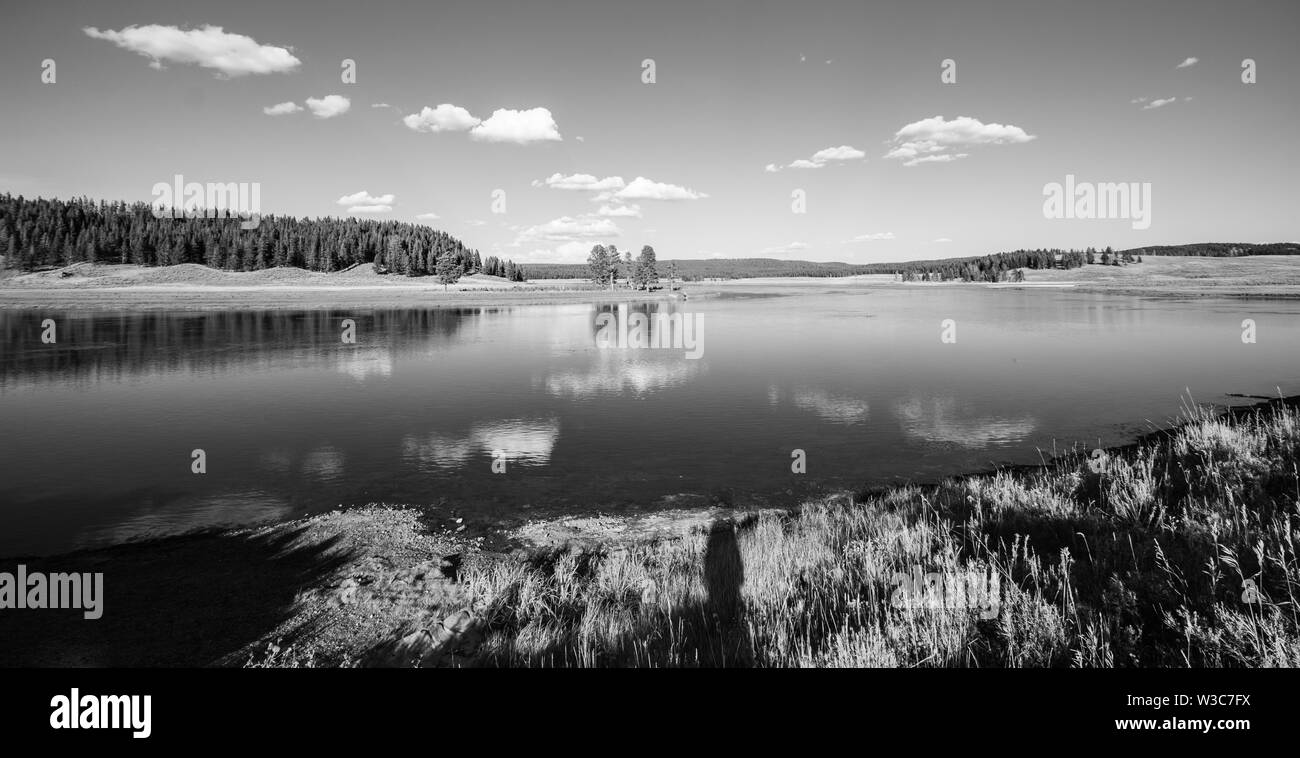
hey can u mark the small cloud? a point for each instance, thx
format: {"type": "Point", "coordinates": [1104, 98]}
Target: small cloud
{"type": "Point", "coordinates": [445, 118]}
{"type": "Point", "coordinates": [569, 228]}
{"type": "Point", "coordinates": [1137, 100]}
{"type": "Point", "coordinates": [380, 105]}
{"type": "Point", "coordinates": [328, 106]}
{"type": "Point", "coordinates": [873, 237]}
{"type": "Point", "coordinates": [620, 211]}
{"type": "Point", "coordinates": [364, 202]}
{"type": "Point", "coordinates": [518, 127]}
{"type": "Point", "coordinates": [823, 158]}
{"type": "Point", "coordinates": [580, 138]}
{"type": "Point", "coordinates": [231, 55]}
{"type": "Point", "coordinates": [642, 188]}
{"type": "Point", "coordinates": [282, 109]}
{"type": "Point", "coordinates": [793, 247]}
{"type": "Point", "coordinates": [475, 222]}
{"type": "Point", "coordinates": [1189, 62]}
{"type": "Point", "coordinates": [941, 240]}
{"type": "Point", "coordinates": [802, 57]}
{"type": "Point", "coordinates": [428, 217]}
{"type": "Point", "coordinates": [1159, 103]}
{"type": "Point", "coordinates": [921, 141]}
{"type": "Point", "coordinates": [580, 182]}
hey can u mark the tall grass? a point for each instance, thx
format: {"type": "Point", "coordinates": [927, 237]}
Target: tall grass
{"type": "Point", "coordinates": [1143, 564]}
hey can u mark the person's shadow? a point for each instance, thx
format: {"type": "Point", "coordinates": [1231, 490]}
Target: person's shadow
{"type": "Point", "coordinates": [724, 574]}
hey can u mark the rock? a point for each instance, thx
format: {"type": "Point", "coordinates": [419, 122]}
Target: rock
{"type": "Point", "coordinates": [459, 622]}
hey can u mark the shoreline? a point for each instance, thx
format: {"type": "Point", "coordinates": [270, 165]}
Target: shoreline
{"type": "Point", "coordinates": [260, 588]}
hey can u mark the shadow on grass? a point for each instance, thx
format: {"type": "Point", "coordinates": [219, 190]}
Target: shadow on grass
{"type": "Point", "coordinates": [180, 601]}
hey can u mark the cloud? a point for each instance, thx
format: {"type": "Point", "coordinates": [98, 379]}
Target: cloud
{"type": "Point", "coordinates": [793, 247]}
{"type": "Point", "coordinates": [380, 105]}
{"type": "Point", "coordinates": [642, 188]}
{"type": "Point", "coordinates": [364, 202]}
{"type": "Point", "coordinates": [628, 211]}
{"type": "Point", "coordinates": [519, 127]}
{"type": "Point", "coordinates": [822, 158]}
{"type": "Point", "coordinates": [445, 118]}
{"type": "Point", "coordinates": [1188, 63]}
{"type": "Point", "coordinates": [922, 141]}
{"type": "Point", "coordinates": [570, 228]}
{"type": "Point", "coordinates": [428, 216]}
{"type": "Point", "coordinates": [567, 252]}
{"type": "Point", "coordinates": [873, 237]}
{"type": "Point", "coordinates": [328, 106]}
{"type": "Point", "coordinates": [231, 55]}
{"type": "Point", "coordinates": [282, 109]}
{"type": "Point", "coordinates": [580, 182]}
{"type": "Point", "coordinates": [1158, 103]}
{"type": "Point", "coordinates": [941, 240]}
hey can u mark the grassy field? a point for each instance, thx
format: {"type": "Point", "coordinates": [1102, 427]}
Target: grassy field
{"type": "Point", "coordinates": [1258, 276]}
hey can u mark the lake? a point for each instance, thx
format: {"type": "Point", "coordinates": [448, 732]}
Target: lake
{"type": "Point", "coordinates": [100, 426]}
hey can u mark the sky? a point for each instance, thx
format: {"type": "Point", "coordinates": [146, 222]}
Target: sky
{"type": "Point", "coordinates": [803, 130]}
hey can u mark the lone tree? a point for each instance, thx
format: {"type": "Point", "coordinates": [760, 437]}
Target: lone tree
{"type": "Point", "coordinates": [645, 273]}
{"type": "Point", "coordinates": [448, 269]}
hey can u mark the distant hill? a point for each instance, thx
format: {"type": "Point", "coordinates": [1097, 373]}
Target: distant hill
{"type": "Point", "coordinates": [1220, 249]}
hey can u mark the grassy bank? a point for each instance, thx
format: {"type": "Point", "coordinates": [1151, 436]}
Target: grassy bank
{"type": "Point", "coordinates": [1144, 562]}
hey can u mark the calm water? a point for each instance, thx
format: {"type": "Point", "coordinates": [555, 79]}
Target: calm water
{"type": "Point", "coordinates": [99, 427]}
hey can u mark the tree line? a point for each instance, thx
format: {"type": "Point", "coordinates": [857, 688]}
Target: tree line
{"type": "Point", "coordinates": [40, 233]}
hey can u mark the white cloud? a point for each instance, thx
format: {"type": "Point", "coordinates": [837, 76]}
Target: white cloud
{"type": "Point", "coordinates": [1189, 62]}
{"type": "Point", "coordinates": [380, 105]}
{"type": "Point", "coordinates": [428, 217]}
{"type": "Point", "coordinates": [282, 109]}
{"type": "Point", "coordinates": [942, 239]}
{"type": "Point", "coordinates": [580, 182]}
{"type": "Point", "coordinates": [519, 127]}
{"type": "Point", "coordinates": [938, 158]}
{"type": "Point", "coordinates": [822, 158]}
{"type": "Point", "coordinates": [475, 222]}
{"type": "Point", "coordinates": [793, 247]}
{"type": "Point", "coordinates": [364, 198]}
{"type": "Point", "coordinates": [328, 106]}
{"type": "Point", "coordinates": [873, 237]}
{"type": "Point", "coordinates": [231, 55]}
{"type": "Point", "coordinates": [570, 228]}
{"type": "Point", "coordinates": [628, 211]}
{"type": "Point", "coordinates": [841, 153]}
{"type": "Point", "coordinates": [642, 188]}
{"type": "Point", "coordinates": [1158, 103]}
{"type": "Point", "coordinates": [445, 118]}
{"type": "Point", "coordinates": [568, 252]}
{"type": "Point", "coordinates": [919, 141]}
